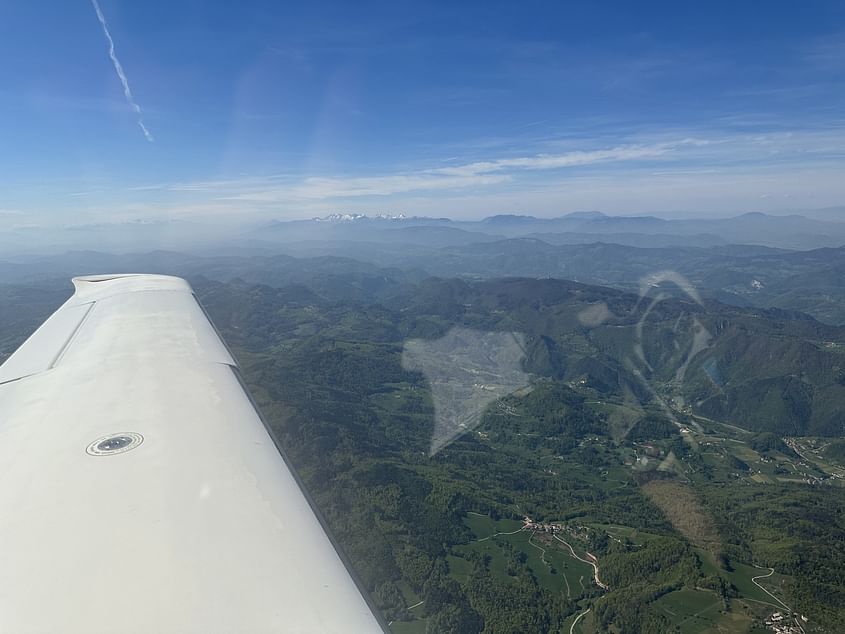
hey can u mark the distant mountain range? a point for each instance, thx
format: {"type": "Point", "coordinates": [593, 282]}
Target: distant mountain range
{"type": "Point", "coordinates": [790, 262]}
{"type": "Point", "coordinates": [789, 232]}
{"type": "Point", "coordinates": [814, 229]}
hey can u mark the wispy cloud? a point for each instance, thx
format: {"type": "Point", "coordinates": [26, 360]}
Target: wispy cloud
{"type": "Point", "coordinates": [465, 176]}
{"type": "Point", "coordinates": [120, 73]}
{"type": "Point", "coordinates": [558, 161]}
{"type": "Point", "coordinates": [828, 53]}
{"type": "Point", "coordinates": [380, 185]}
{"type": "Point", "coordinates": [683, 169]}
{"type": "Point", "coordinates": [468, 175]}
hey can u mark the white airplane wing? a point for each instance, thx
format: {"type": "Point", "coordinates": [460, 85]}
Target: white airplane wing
{"type": "Point", "coordinates": [140, 491]}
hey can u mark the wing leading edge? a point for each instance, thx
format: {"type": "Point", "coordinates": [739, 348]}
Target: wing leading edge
{"type": "Point", "coordinates": [140, 490]}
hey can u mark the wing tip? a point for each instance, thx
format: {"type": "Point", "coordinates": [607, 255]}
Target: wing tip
{"type": "Point", "coordinates": [92, 287]}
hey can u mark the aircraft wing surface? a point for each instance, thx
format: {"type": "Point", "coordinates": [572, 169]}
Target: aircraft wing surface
{"type": "Point", "coordinates": [140, 490]}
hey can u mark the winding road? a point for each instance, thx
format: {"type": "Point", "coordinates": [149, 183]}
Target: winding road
{"type": "Point", "coordinates": [592, 563]}
{"type": "Point", "coordinates": [577, 618]}
{"type": "Point", "coordinates": [497, 534]}
{"type": "Point", "coordinates": [771, 572]}
{"type": "Point", "coordinates": [541, 549]}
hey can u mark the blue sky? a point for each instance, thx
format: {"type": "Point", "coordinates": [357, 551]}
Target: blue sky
{"type": "Point", "coordinates": [271, 109]}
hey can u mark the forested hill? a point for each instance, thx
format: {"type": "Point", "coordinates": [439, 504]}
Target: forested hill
{"type": "Point", "coordinates": [762, 370]}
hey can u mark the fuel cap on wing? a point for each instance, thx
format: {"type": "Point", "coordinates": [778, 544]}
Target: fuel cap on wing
{"type": "Point", "coordinates": [115, 443]}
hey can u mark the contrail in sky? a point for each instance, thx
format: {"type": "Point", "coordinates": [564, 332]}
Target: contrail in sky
{"type": "Point", "coordinates": [121, 75]}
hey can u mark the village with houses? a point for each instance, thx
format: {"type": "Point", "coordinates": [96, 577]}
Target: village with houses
{"type": "Point", "coordinates": [785, 623]}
